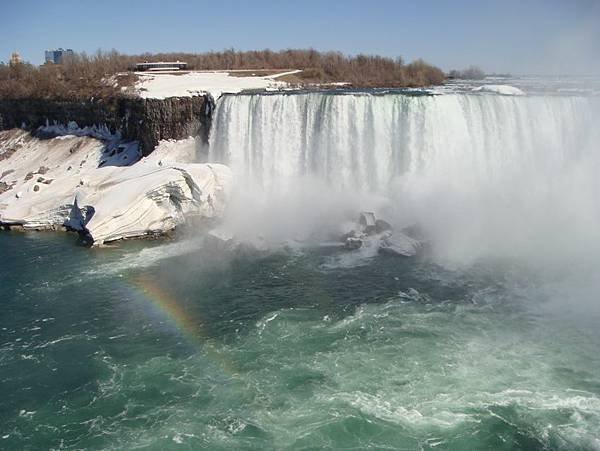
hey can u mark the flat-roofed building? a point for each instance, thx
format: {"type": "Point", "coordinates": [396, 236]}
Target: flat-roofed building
{"type": "Point", "coordinates": [161, 65]}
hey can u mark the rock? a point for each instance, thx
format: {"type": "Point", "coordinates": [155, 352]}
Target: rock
{"type": "Point", "coordinates": [219, 239]}
{"type": "Point", "coordinates": [147, 121]}
{"type": "Point", "coordinates": [400, 244]}
{"type": "Point", "coordinates": [382, 226]}
{"type": "Point", "coordinates": [414, 231]}
{"type": "Point", "coordinates": [222, 240]}
{"type": "Point", "coordinates": [378, 233]}
{"type": "Point", "coordinates": [369, 231]}
{"type": "Point", "coordinates": [353, 243]}
{"type": "Point", "coordinates": [253, 247]}
{"type": "Point", "coordinates": [367, 221]}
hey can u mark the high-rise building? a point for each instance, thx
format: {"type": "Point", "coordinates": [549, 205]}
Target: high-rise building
{"type": "Point", "coordinates": [15, 59]}
{"type": "Point", "coordinates": [57, 56]}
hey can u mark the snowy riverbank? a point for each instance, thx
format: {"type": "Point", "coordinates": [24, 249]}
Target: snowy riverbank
{"type": "Point", "coordinates": [102, 188]}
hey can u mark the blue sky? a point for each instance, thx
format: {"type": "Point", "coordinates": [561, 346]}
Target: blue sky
{"type": "Point", "coordinates": [527, 36]}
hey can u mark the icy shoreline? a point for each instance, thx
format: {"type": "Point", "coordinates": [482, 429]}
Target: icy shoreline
{"type": "Point", "coordinates": [103, 189]}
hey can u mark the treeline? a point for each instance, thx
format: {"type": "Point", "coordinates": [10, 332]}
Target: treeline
{"type": "Point", "coordinates": [80, 77]}
{"type": "Point", "coordinates": [318, 67]}
{"type": "Point", "coordinates": [471, 73]}
{"type": "Point", "coordinates": [104, 74]}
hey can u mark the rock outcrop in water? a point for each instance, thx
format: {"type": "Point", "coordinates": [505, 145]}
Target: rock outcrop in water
{"type": "Point", "coordinates": [134, 119]}
{"type": "Point", "coordinates": [370, 231]}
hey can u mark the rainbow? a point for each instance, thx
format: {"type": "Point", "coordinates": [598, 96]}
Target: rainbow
{"type": "Point", "coordinates": [191, 328]}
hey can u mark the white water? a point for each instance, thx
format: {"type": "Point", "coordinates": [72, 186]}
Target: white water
{"type": "Point", "coordinates": [481, 173]}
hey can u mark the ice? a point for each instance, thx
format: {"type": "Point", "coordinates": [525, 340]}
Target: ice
{"type": "Point", "coordinates": [88, 185]}
{"type": "Point", "coordinates": [505, 90]}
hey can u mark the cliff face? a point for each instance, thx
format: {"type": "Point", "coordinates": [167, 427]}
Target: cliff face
{"type": "Point", "coordinates": [145, 120]}
{"type": "Point", "coordinates": [151, 120]}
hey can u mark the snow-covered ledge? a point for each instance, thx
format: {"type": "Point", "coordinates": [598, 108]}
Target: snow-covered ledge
{"type": "Point", "coordinates": [159, 85]}
{"type": "Point", "coordinates": [146, 199]}
{"type": "Point", "coordinates": [92, 186]}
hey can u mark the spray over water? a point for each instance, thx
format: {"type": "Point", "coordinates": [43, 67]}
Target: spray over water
{"type": "Point", "coordinates": [481, 174]}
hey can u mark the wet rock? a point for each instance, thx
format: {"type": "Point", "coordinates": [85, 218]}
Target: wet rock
{"type": "Point", "coordinates": [370, 231]}
{"type": "Point", "coordinates": [382, 226]}
{"type": "Point", "coordinates": [219, 239]}
{"type": "Point", "coordinates": [400, 245]}
{"type": "Point", "coordinates": [415, 232]}
{"type": "Point", "coordinates": [353, 243]}
{"type": "Point", "coordinates": [367, 221]}
{"type": "Point", "coordinates": [222, 240]}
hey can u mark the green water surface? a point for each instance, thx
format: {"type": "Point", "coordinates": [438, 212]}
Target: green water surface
{"type": "Point", "coordinates": [165, 346]}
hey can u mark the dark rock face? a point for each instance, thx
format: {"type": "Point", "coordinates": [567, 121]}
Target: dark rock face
{"type": "Point", "coordinates": [151, 120]}
{"type": "Point", "coordinates": [145, 120]}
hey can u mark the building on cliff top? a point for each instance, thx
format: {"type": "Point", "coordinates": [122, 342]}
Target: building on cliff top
{"type": "Point", "coordinates": [161, 65]}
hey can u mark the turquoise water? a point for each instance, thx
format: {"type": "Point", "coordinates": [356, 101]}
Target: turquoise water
{"type": "Point", "coordinates": [161, 345]}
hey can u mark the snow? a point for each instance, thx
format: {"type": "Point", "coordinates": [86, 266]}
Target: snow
{"type": "Point", "coordinates": [216, 83]}
{"type": "Point", "coordinates": [505, 90]}
{"type": "Point", "coordinates": [147, 198]}
{"type": "Point", "coordinates": [100, 187]}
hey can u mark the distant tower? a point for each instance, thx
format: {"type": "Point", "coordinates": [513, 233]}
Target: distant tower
{"type": "Point", "coordinates": [49, 56]}
{"type": "Point", "coordinates": [15, 59]}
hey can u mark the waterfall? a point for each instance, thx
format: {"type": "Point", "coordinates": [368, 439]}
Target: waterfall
{"type": "Point", "coordinates": [367, 141]}
{"type": "Point", "coordinates": [466, 166]}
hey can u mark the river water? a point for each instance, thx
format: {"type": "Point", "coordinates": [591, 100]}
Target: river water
{"type": "Point", "coordinates": [488, 340]}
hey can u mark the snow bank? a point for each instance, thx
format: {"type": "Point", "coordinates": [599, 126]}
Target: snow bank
{"type": "Point", "coordinates": [505, 90]}
{"type": "Point", "coordinates": [147, 199]}
{"type": "Point", "coordinates": [163, 85]}
{"type": "Point", "coordinates": [92, 186]}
